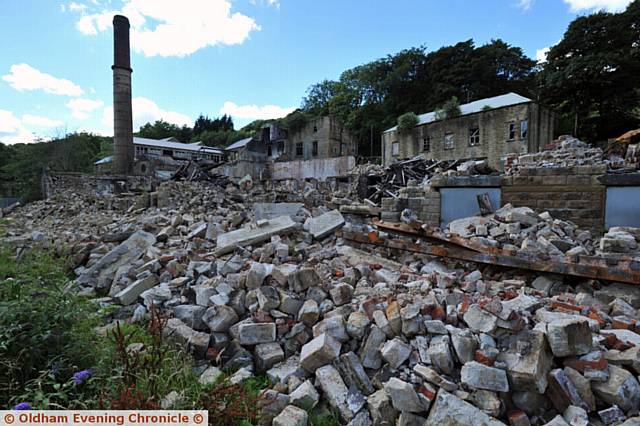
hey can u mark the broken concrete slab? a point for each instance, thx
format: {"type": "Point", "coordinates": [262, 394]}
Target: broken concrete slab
{"type": "Point", "coordinates": [450, 410]}
{"type": "Point", "coordinates": [254, 234]}
{"type": "Point", "coordinates": [274, 210]}
{"type": "Point", "coordinates": [325, 224]}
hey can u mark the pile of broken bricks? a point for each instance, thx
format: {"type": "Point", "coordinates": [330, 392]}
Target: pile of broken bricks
{"type": "Point", "coordinates": [379, 339]}
{"type": "Point", "coordinates": [521, 230]}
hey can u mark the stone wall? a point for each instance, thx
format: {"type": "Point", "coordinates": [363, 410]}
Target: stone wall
{"type": "Point", "coordinates": [54, 184]}
{"type": "Point", "coordinates": [494, 143]}
{"type": "Point", "coordinates": [425, 205]}
{"type": "Point", "coordinates": [571, 193]}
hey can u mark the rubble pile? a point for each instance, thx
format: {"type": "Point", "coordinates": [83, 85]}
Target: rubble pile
{"type": "Point", "coordinates": [379, 338]}
{"type": "Point", "coordinates": [521, 230]}
{"type": "Point", "coordinates": [565, 152]}
{"type": "Point", "coordinates": [377, 182]}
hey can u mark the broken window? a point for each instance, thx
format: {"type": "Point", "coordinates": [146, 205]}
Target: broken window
{"type": "Point", "coordinates": [314, 149]}
{"type": "Point", "coordinates": [448, 141]}
{"type": "Point", "coordinates": [395, 149]}
{"type": "Point", "coordinates": [474, 136]}
{"type": "Point", "coordinates": [426, 143]}
{"type": "Point", "coordinates": [524, 129]}
{"type": "Point", "coordinates": [512, 131]}
{"type": "Point", "coordinates": [299, 149]}
{"type": "Point", "coordinates": [269, 150]}
{"type": "Point", "coordinates": [280, 147]}
{"type": "Point", "coordinates": [315, 129]}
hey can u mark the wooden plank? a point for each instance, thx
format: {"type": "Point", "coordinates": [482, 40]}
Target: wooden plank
{"type": "Point", "coordinates": [619, 274]}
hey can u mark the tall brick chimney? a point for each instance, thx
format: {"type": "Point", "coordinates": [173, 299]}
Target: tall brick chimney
{"type": "Point", "coordinates": [122, 116]}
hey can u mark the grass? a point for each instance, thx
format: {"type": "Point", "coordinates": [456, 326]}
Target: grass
{"type": "Point", "coordinates": [324, 417]}
{"type": "Point", "coordinates": [48, 334]}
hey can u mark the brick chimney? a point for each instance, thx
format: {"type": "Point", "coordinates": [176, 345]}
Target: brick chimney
{"type": "Point", "coordinates": [122, 116]}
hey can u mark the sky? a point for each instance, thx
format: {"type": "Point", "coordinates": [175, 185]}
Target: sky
{"type": "Point", "coordinates": [251, 59]}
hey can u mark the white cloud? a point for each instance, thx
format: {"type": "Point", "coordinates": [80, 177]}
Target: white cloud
{"type": "Point", "coordinates": [82, 107]}
{"type": "Point", "coordinates": [525, 4]}
{"type": "Point", "coordinates": [541, 54]}
{"type": "Point", "coordinates": [39, 121]}
{"type": "Point", "coordinates": [25, 77]}
{"type": "Point", "coordinates": [77, 7]}
{"type": "Point", "coordinates": [171, 28]}
{"type": "Point", "coordinates": [608, 5]}
{"type": "Point", "coordinates": [254, 112]}
{"type": "Point", "coordinates": [146, 111]}
{"type": "Point", "coordinates": [275, 3]}
{"type": "Point", "coordinates": [12, 129]}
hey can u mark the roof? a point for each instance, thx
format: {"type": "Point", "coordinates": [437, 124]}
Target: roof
{"type": "Point", "coordinates": [628, 136]}
{"type": "Point", "coordinates": [239, 144]}
{"type": "Point", "coordinates": [475, 106]}
{"type": "Point", "coordinates": [170, 143]}
{"type": "Point", "coordinates": [105, 160]}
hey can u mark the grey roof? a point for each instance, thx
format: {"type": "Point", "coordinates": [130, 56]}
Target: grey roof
{"type": "Point", "coordinates": [170, 144]}
{"type": "Point", "coordinates": [475, 106]}
{"type": "Point", "coordinates": [239, 144]}
{"type": "Point", "coordinates": [104, 160]}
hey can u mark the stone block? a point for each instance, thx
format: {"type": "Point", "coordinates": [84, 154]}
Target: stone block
{"type": "Point", "coordinates": [318, 352]}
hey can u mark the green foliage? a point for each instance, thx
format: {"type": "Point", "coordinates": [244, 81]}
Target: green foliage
{"type": "Point", "coordinates": [324, 417]}
{"type": "Point", "coordinates": [593, 74]}
{"type": "Point", "coordinates": [43, 328]}
{"type": "Point", "coordinates": [406, 122]}
{"type": "Point", "coordinates": [21, 165]}
{"type": "Point", "coordinates": [486, 108]}
{"type": "Point", "coordinates": [161, 129]}
{"type": "Point", "coordinates": [295, 121]}
{"type": "Point", "coordinates": [450, 109]}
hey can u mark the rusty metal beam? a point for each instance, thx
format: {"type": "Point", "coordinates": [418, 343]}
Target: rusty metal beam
{"type": "Point", "coordinates": [626, 271]}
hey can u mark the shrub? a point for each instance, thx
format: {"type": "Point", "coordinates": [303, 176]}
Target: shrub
{"type": "Point", "coordinates": [450, 109]}
{"type": "Point", "coordinates": [406, 122]}
{"type": "Point", "coordinates": [45, 332]}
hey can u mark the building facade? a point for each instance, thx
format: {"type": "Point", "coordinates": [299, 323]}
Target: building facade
{"type": "Point", "coordinates": [488, 129]}
{"type": "Point", "coordinates": [324, 137]}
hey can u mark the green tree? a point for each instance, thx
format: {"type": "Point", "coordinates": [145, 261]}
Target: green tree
{"type": "Point", "coordinates": [592, 77]}
{"type": "Point", "coordinates": [407, 121]}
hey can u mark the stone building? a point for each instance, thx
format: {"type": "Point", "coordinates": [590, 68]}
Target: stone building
{"type": "Point", "coordinates": [321, 148]}
{"type": "Point", "coordinates": [324, 137]}
{"type": "Point", "coordinates": [489, 129]}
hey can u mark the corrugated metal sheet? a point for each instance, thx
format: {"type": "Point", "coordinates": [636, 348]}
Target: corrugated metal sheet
{"type": "Point", "coordinates": [457, 203]}
{"type": "Point", "coordinates": [622, 207]}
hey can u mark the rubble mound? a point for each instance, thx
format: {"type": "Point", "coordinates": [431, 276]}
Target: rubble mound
{"type": "Point", "coordinates": [381, 337]}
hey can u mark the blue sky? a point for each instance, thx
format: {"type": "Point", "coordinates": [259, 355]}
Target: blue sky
{"type": "Point", "coordinates": [248, 58]}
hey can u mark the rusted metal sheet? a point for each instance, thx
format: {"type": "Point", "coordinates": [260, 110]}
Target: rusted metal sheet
{"type": "Point", "coordinates": [321, 168]}
{"type": "Point", "coordinates": [625, 270]}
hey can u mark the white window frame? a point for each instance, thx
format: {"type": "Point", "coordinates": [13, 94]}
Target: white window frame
{"type": "Point", "coordinates": [449, 141]}
{"type": "Point", "coordinates": [395, 149]}
{"type": "Point", "coordinates": [474, 136]}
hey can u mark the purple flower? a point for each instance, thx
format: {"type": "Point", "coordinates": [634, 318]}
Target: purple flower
{"type": "Point", "coordinates": [23, 406]}
{"type": "Point", "coordinates": [81, 376]}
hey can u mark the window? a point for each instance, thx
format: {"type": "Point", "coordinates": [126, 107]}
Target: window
{"type": "Point", "coordinates": [269, 150]}
{"type": "Point", "coordinates": [167, 152]}
{"type": "Point", "coordinates": [395, 149]}
{"type": "Point", "coordinates": [474, 136]}
{"type": "Point", "coordinates": [448, 141]}
{"type": "Point", "coordinates": [524, 129]}
{"type": "Point", "coordinates": [299, 149]}
{"type": "Point", "coordinates": [426, 143]}
{"type": "Point", "coordinates": [314, 149]}
{"type": "Point", "coordinates": [315, 129]}
{"type": "Point", "coordinates": [512, 131]}
{"type": "Point", "coordinates": [280, 147]}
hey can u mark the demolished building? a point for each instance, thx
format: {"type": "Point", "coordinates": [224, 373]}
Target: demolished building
{"type": "Point", "coordinates": [322, 148]}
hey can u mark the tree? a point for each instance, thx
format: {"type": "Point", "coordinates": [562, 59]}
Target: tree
{"type": "Point", "coordinates": [592, 76]}
{"type": "Point", "coordinates": [160, 130]}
